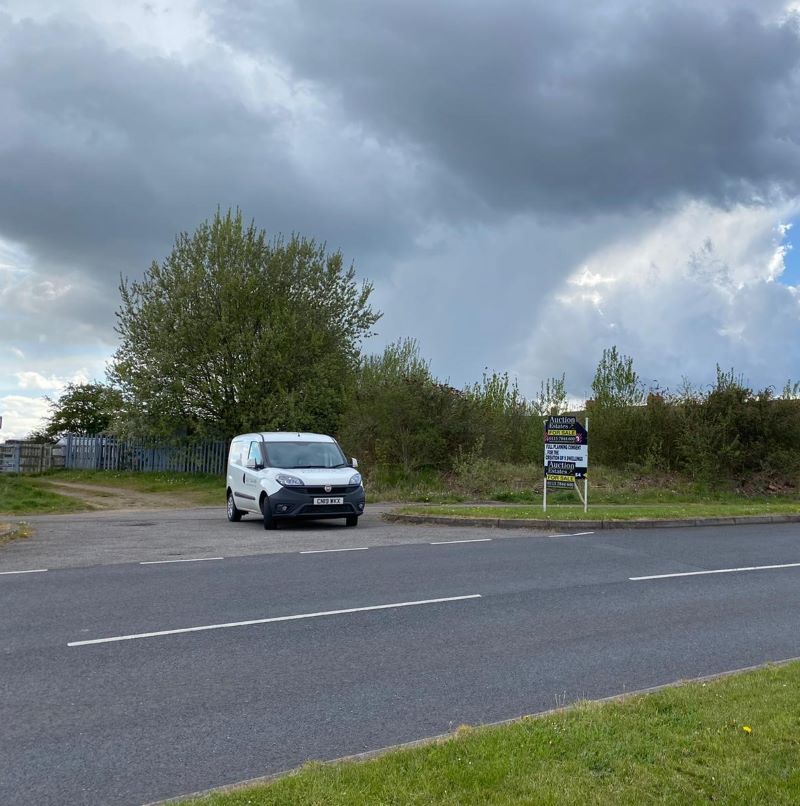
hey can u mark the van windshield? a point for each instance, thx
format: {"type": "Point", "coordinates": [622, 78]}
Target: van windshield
{"type": "Point", "coordinates": [304, 454]}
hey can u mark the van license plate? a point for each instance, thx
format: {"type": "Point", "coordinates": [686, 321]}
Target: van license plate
{"type": "Point", "coordinates": [320, 501]}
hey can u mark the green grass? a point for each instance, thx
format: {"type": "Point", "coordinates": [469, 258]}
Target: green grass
{"type": "Point", "coordinates": [481, 480]}
{"type": "Point", "coordinates": [489, 480]}
{"type": "Point", "coordinates": [391, 484]}
{"type": "Point", "coordinates": [681, 745]}
{"type": "Point", "coordinates": [199, 487]}
{"type": "Point", "coordinates": [622, 512]}
{"type": "Point", "coordinates": [27, 495]}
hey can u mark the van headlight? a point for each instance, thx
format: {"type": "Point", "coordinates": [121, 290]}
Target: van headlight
{"type": "Point", "coordinates": [355, 479]}
{"type": "Point", "coordinates": [288, 481]}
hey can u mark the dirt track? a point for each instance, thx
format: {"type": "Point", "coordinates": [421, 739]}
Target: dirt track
{"type": "Point", "coordinates": [118, 498]}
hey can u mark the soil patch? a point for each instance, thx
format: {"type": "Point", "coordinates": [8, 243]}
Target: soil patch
{"type": "Point", "coordinates": [12, 531]}
{"type": "Point", "coordinates": [101, 497]}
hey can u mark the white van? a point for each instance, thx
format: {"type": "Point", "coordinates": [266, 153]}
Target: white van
{"type": "Point", "coordinates": [292, 475]}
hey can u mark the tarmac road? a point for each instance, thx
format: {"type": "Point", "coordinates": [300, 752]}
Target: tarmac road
{"type": "Point", "coordinates": [100, 538]}
{"type": "Point", "coordinates": [129, 680]}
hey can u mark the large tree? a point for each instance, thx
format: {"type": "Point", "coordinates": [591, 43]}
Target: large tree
{"type": "Point", "coordinates": [234, 332]}
{"type": "Point", "coordinates": [86, 409]}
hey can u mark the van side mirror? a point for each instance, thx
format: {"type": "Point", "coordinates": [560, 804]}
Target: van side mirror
{"type": "Point", "coordinates": [354, 462]}
{"type": "Point", "coordinates": [250, 464]}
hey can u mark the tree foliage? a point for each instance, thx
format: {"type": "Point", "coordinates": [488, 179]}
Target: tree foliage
{"type": "Point", "coordinates": [616, 428]}
{"type": "Point", "coordinates": [399, 415]}
{"type": "Point", "coordinates": [85, 409]}
{"type": "Point", "coordinates": [552, 397]}
{"type": "Point", "coordinates": [501, 419]}
{"type": "Point", "coordinates": [728, 431]}
{"type": "Point", "coordinates": [791, 390]}
{"type": "Point", "coordinates": [234, 332]}
{"type": "Point", "coordinates": [616, 382]}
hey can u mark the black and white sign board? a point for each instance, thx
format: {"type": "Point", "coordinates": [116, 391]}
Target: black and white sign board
{"type": "Point", "coordinates": [566, 456]}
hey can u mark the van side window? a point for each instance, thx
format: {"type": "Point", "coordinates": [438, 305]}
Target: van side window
{"type": "Point", "coordinates": [255, 454]}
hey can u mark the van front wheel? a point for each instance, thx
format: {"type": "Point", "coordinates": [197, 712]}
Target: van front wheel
{"type": "Point", "coordinates": [234, 513]}
{"type": "Point", "coordinates": [266, 511]}
{"type": "Point", "coordinates": [352, 520]}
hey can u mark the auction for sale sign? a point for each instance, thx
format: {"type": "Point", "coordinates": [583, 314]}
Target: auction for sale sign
{"type": "Point", "coordinates": [566, 451]}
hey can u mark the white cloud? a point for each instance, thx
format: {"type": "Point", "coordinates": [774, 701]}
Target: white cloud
{"type": "Point", "coordinates": [39, 304]}
{"type": "Point", "coordinates": [47, 366]}
{"type": "Point", "coordinates": [35, 380]}
{"type": "Point", "coordinates": [169, 28]}
{"type": "Point", "coordinates": [476, 293]}
{"type": "Point", "coordinates": [777, 263]}
{"type": "Point", "coordinates": [690, 291]}
{"type": "Point", "coordinates": [21, 414]}
{"type": "Point", "coordinates": [586, 278]}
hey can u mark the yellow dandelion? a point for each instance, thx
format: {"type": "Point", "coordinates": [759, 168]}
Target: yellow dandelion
{"type": "Point", "coordinates": [747, 729]}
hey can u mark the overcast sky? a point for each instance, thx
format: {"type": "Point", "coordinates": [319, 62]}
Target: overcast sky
{"type": "Point", "coordinates": [524, 182]}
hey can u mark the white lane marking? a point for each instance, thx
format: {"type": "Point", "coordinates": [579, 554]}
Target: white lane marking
{"type": "Point", "coordinates": [32, 571]}
{"type": "Point", "coordinates": [475, 540]}
{"type": "Point", "coordinates": [192, 560]}
{"type": "Point", "coordinates": [330, 551]}
{"type": "Point", "coordinates": [578, 534]}
{"type": "Point", "coordinates": [273, 620]}
{"type": "Point", "coordinates": [716, 571]}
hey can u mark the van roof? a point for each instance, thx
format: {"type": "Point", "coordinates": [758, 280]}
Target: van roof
{"type": "Point", "coordinates": [288, 436]}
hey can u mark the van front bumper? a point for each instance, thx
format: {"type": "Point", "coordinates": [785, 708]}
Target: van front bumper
{"type": "Point", "coordinates": [299, 503]}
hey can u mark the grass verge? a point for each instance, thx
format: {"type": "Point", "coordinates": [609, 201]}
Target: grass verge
{"type": "Point", "coordinates": [482, 480]}
{"type": "Point", "coordinates": [735, 740]}
{"type": "Point", "coordinates": [613, 512]}
{"type": "Point", "coordinates": [27, 495]}
{"type": "Point", "coordinates": [489, 480]}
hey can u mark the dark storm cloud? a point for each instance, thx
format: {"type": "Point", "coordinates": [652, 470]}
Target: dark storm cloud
{"type": "Point", "coordinates": [106, 153]}
{"type": "Point", "coordinates": [556, 107]}
{"type": "Point", "coordinates": [458, 113]}
{"type": "Point", "coordinates": [471, 152]}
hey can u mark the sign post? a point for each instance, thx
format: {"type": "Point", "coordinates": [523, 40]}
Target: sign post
{"type": "Point", "coordinates": [566, 457]}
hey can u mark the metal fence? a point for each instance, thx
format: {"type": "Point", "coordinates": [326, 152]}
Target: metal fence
{"type": "Point", "coordinates": [9, 459]}
{"type": "Point", "coordinates": [110, 453]}
{"type": "Point", "coordinates": [29, 457]}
